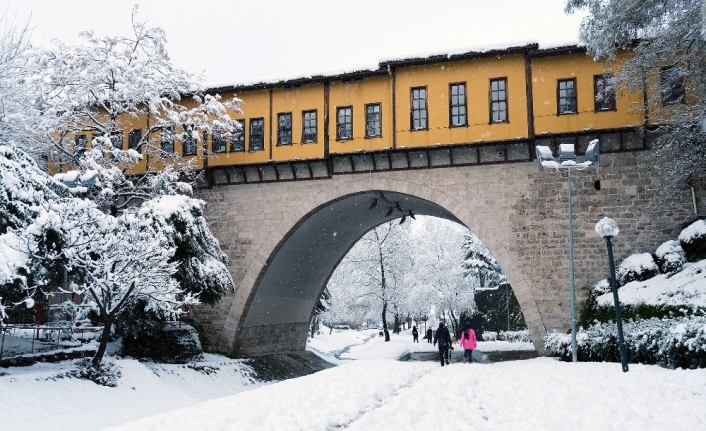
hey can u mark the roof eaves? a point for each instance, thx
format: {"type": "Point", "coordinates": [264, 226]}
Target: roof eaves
{"type": "Point", "coordinates": [559, 50]}
{"type": "Point", "coordinates": [460, 56]}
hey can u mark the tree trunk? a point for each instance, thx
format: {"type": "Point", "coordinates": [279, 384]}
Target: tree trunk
{"type": "Point", "coordinates": [107, 327]}
{"type": "Point", "coordinates": [384, 321]}
{"type": "Point", "coordinates": [314, 326]}
{"type": "Point", "coordinates": [454, 324]}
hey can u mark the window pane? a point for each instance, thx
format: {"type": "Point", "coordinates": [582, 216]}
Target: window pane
{"type": "Point", "coordinates": [372, 120]}
{"type": "Point", "coordinates": [458, 105]}
{"type": "Point", "coordinates": [498, 100]}
{"type": "Point", "coordinates": [188, 140]}
{"type": "Point", "coordinates": [284, 128]}
{"type": "Point", "coordinates": [167, 139]}
{"type": "Point", "coordinates": [604, 92]}
{"type": "Point", "coordinates": [566, 97]}
{"type": "Point", "coordinates": [418, 112]}
{"type": "Point", "coordinates": [237, 142]}
{"type": "Point", "coordinates": [257, 137]}
{"type": "Point", "coordinates": [309, 132]}
{"type": "Point", "coordinates": [116, 138]}
{"type": "Point", "coordinates": [134, 139]}
{"type": "Point", "coordinates": [345, 123]}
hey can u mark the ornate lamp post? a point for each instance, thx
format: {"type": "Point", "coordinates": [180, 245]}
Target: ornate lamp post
{"type": "Point", "coordinates": [567, 161]}
{"type": "Point", "coordinates": [607, 228]}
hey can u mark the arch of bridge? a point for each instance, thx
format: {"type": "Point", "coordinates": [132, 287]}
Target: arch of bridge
{"type": "Point", "coordinates": [281, 285]}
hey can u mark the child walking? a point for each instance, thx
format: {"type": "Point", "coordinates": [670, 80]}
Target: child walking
{"type": "Point", "coordinates": [468, 342]}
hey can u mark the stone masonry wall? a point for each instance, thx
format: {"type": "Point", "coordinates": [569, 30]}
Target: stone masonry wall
{"type": "Point", "coordinates": [517, 210]}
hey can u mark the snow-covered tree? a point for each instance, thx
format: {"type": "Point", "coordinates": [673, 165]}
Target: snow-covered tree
{"type": "Point", "coordinates": [160, 254]}
{"type": "Point", "coordinates": [202, 269]}
{"type": "Point", "coordinates": [110, 85]}
{"type": "Point", "coordinates": [24, 190]}
{"type": "Point", "coordinates": [479, 263]}
{"type": "Point", "coordinates": [438, 280]}
{"type": "Point", "coordinates": [372, 274]}
{"type": "Point", "coordinates": [667, 41]}
{"type": "Point", "coordinates": [19, 116]}
{"type": "Point", "coordinates": [113, 260]}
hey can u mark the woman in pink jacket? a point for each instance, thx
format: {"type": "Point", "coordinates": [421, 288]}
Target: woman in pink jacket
{"type": "Point", "coordinates": [468, 342]}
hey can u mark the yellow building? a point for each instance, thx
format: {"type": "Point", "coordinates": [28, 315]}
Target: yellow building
{"type": "Point", "coordinates": [471, 108]}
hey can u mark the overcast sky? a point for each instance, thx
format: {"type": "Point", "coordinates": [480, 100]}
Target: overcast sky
{"type": "Point", "coordinates": [237, 42]}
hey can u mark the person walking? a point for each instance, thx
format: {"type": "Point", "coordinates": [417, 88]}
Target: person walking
{"type": "Point", "coordinates": [443, 337]}
{"type": "Point", "coordinates": [429, 335]}
{"type": "Point", "coordinates": [415, 334]}
{"type": "Point", "coordinates": [468, 342]}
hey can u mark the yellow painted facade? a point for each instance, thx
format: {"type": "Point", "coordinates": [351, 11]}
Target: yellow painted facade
{"type": "Point", "coordinates": [359, 94]}
{"type": "Point", "coordinates": [547, 71]}
{"type": "Point", "coordinates": [476, 75]}
{"type": "Point", "coordinates": [372, 111]}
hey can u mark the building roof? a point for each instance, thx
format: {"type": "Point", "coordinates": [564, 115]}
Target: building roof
{"type": "Point", "coordinates": [531, 50]}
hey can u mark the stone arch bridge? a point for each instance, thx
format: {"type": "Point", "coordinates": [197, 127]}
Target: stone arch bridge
{"type": "Point", "coordinates": [285, 237]}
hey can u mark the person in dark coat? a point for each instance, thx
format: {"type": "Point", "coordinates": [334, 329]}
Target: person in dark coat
{"type": "Point", "coordinates": [415, 334]}
{"type": "Point", "coordinates": [443, 337]}
{"type": "Point", "coordinates": [430, 333]}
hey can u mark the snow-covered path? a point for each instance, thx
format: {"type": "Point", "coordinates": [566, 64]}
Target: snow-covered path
{"type": "Point", "coordinates": [368, 390]}
{"type": "Point", "coordinates": [538, 394]}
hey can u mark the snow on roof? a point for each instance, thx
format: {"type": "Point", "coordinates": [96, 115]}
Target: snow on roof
{"type": "Point", "coordinates": [532, 48]}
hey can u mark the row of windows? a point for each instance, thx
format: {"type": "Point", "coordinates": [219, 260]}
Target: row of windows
{"type": "Point", "coordinates": [672, 91]}
{"type": "Point", "coordinates": [566, 101]}
{"type": "Point", "coordinates": [603, 95]}
{"type": "Point", "coordinates": [344, 129]}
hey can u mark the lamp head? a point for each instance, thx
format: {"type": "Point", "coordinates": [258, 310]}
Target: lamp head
{"type": "Point", "coordinates": [592, 151]}
{"type": "Point", "coordinates": [544, 154]}
{"type": "Point", "coordinates": [606, 228]}
{"type": "Point", "coordinates": [567, 152]}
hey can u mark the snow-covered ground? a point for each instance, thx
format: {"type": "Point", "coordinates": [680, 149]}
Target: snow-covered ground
{"type": "Point", "coordinates": [345, 346]}
{"type": "Point", "coordinates": [368, 390]}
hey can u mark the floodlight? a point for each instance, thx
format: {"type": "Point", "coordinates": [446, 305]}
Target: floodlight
{"type": "Point", "coordinates": [592, 151]}
{"type": "Point", "coordinates": [544, 154]}
{"type": "Point", "coordinates": [567, 152]}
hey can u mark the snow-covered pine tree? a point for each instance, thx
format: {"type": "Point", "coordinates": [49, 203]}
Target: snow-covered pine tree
{"type": "Point", "coordinates": [202, 269]}
{"type": "Point", "coordinates": [480, 263]}
{"type": "Point", "coordinates": [24, 190]}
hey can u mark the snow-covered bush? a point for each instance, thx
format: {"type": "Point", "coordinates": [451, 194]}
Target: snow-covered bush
{"type": "Point", "coordinates": [514, 336]}
{"type": "Point", "coordinates": [589, 314]}
{"type": "Point", "coordinates": [672, 343]}
{"type": "Point", "coordinates": [168, 344]}
{"type": "Point", "coordinates": [490, 336]}
{"type": "Point", "coordinates": [693, 241]}
{"type": "Point", "coordinates": [636, 267]}
{"type": "Point", "coordinates": [670, 257]}
{"type": "Point", "coordinates": [107, 374]}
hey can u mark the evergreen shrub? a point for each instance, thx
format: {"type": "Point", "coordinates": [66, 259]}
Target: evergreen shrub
{"type": "Point", "coordinates": [168, 344]}
{"type": "Point", "coordinates": [670, 257]}
{"type": "Point", "coordinates": [146, 335]}
{"type": "Point", "coordinates": [671, 343]}
{"type": "Point", "coordinates": [107, 374]}
{"type": "Point", "coordinates": [636, 267]}
{"type": "Point", "coordinates": [693, 241]}
{"type": "Point", "coordinates": [514, 336]}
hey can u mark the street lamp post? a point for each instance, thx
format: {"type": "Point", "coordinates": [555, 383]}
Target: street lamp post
{"type": "Point", "coordinates": [607, 228]}
{"type": "Point", "coordinates": [567, 161]}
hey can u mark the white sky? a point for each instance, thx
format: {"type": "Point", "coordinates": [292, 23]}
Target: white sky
{"type": "Point", "coordinates": [237, 42]}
